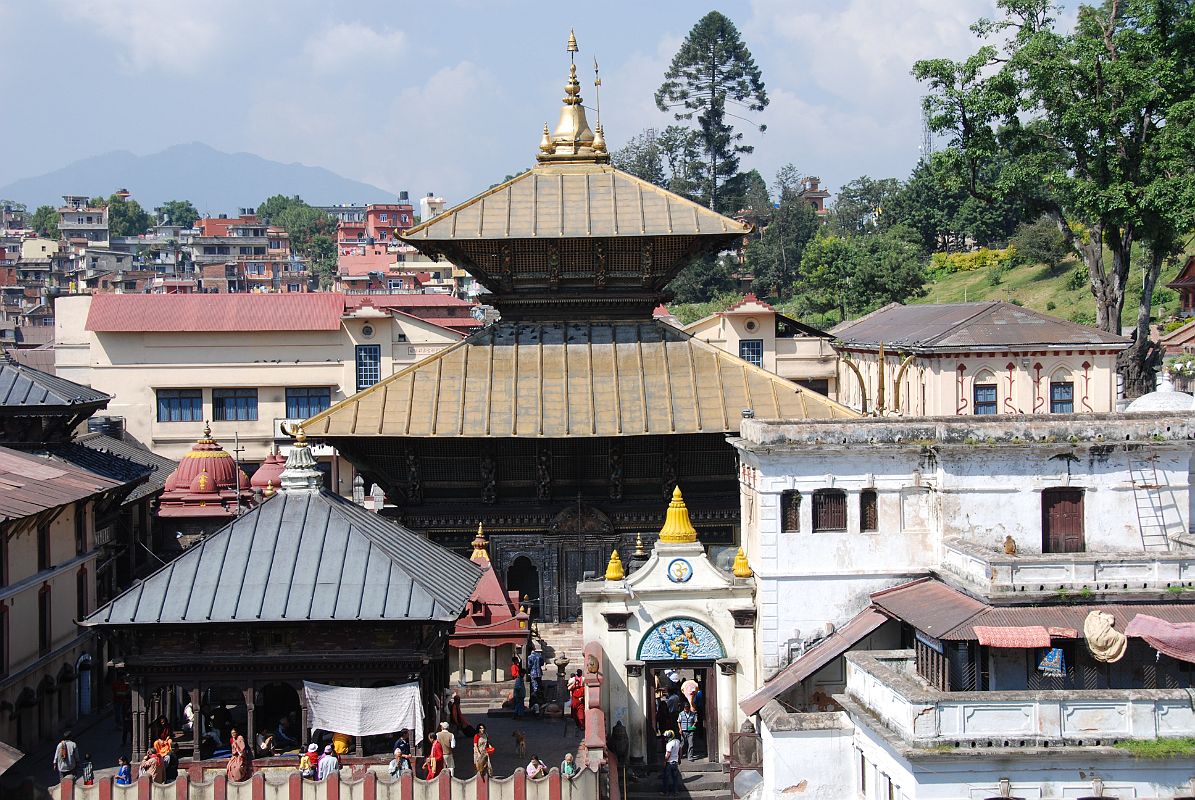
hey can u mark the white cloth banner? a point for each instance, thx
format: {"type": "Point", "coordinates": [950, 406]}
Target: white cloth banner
{"type": "Point", "coordinates": [364, 712]}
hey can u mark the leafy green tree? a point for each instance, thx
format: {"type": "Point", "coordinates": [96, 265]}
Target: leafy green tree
{"type": "Point", "coordinates": [178, 212]}
{"type": "Point", "coordinates": [312, 232]}
{"type": "Point", "coordinates": [126, 217]}
{"type": "Point", "coordinates": [705, 279]}
{"type": "Point", "coordinates": [44, 222]}
{"type": "Point", "coordinates": [860, 203]}
{"type": "Point", "coordinates": [712, 69]}
{"type": "Point", "coordinates": [827, 265]}
{"type": "Point", "coordinates": [927, 206]}
{"type": "Point", "coordinates": [1075, 126]}
{"type": "Point", "coordinates": [858, 274]}
{"type": "Point", "coordinates": [641, 157]}
{"type": "Point", "coordinates": [755, 197]}
{"type": "Point", "coordinates": [1040, 242]}
{"type": "Point", "coordinates": [775, 258]}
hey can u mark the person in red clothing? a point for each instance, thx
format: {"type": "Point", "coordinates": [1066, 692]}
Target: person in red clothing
{"type": "Point", "coordinates": [516, 666]}
{"type": "Point", "coordinates": [577, 693]}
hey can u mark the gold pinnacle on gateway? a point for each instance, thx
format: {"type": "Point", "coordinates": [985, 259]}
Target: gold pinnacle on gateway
{"type": "Point", "coordinates": [741, 568]}
{"type": "Point", "coordinates": [678, 529]}
{"type": "Point", "coordinates": [573, 140]}
{"type": "Point", "coordinates": [480, 545]}
{"type": "Point", "coordinates": [614, 570]}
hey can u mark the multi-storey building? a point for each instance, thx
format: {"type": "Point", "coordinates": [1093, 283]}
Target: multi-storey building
{"type": "Point", "coordinates": [79, 221]}
{"type": "Point", "coordinates": [981, 358]}
{"type": "Point", "coordinates": [245, 363]}
{"type": "Point", "coordinates": [968, 565]}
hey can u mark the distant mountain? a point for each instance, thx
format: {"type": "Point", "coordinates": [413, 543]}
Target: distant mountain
{"type": "Point", "coordinates": [214, 181]}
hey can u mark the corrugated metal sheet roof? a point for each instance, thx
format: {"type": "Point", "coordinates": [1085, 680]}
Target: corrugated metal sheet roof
{"type": "Point", "coordinates": [118, 459]}
{"type": "Point", "coordinates": [235, 313]}
{"type": "Point", "coordinates": [961, 325]}
{"type": "Point", "coordinates": [814, 659]}
{"type": "Point", "coordinates": [39, 358]}
{"type": "Point", "coordinates": [301, 556]}
{"type": "Point", "coordinates": [353, 301]}
{"type": "Point", "coordinates": [24, 387]}
{"type": "Point", "coordinates": [554, 201]}
{"type": "Point", "coordinates": [928, 605]}
{"type": "Point", "coordinates": [31, 484]}
{"type": "Point", "coordinates": [559, 380]}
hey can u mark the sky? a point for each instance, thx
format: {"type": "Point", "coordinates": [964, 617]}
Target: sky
{"type": "Point", "coordinates": [451, 96]}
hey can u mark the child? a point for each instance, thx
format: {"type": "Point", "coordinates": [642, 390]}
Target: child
{"type": "Point", "coordinates": [124, 775]}
{"type": "Point", "coordinates": [88, 770]}
{"type": "Point", "coordinates": [307, 763]}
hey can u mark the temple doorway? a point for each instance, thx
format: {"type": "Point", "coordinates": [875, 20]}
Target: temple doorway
{"type": "Point", "coordinates": [278, 714]}
{"type": "Point", "coordinates": [523, 577]}
{"type": "Point", "coordinates": [670, 688]}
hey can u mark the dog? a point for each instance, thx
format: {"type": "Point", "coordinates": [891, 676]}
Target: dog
{"type": "Point", "coordinates": [520, 742]}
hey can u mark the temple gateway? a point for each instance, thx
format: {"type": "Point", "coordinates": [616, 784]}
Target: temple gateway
{"type": "Point", "coordinates": [565, 426]}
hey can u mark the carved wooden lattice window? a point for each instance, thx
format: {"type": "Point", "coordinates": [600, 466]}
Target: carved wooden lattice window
{"type": "Point", "coordinates": [790, 511]}
{"type": "Point", "coordinates": [869, 515]}
{"type": "Point", "coordinates": [829, 510]}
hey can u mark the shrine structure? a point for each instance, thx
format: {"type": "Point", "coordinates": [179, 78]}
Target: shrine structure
{"type": "Point", "coordinates": [564, 425]}
{"type": "Point", "coordinates": [205, 491]}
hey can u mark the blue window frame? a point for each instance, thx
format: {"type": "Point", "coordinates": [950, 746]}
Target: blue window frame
{"type": "Point", "coordinates": [307, 401]}
{"type": "Point", "coordinates": [234, 405]}
{"type": "Point", "coordinates": [180, 405]}
{"type": "Point", "coordinates": [751, 350]}
{"type": "Point", "coordinates": [369, 365]}
{"type": "Point", "coordinates": [1062, 397]}
{"type": "Point", "coordinates": [985, 398]}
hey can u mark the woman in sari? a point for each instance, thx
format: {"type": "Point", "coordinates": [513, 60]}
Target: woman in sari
{"type": "Point", "coordinates": [435, 759]}
{"type": "Point", "coordinates": [481, 755]}
{"type": "Point", "coordinates": [238, 766]}
{"type": "Point", "coordinates": [578, 699]}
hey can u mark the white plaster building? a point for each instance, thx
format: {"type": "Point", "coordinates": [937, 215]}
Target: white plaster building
{"type": "Point", "coordinates": [1067, 515]}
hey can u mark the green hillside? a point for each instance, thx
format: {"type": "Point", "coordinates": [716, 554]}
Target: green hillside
{"type": "Point", "coordinates": [1046, 290]}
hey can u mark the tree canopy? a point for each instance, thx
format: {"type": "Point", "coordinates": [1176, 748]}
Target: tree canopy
{"type": "Point", "coordinates": [44, 222]}
{"type": "Point", "coordinates": [177, 212]}
{"type": "Point", "coordinates": [712, 69]}
{"type": "Point", "coordinates": [312, 231]}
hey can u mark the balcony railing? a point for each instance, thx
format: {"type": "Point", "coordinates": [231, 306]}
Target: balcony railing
{"type": "Point", "coordinates": [994, 574]}
{"type": "Point", "coordinates": [885, 685]}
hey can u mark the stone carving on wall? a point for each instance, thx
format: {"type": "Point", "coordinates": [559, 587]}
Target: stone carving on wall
{"type": "Point", "coordinates": [506, 275]}
{"type": "Point", "coordinates": [645, 263]}
{"type": "Point", "coordinates": [489, 478]}
{"type": "Point", "coordinates": [554, 267]}
{"type": "Point", "coordinates": [543, 475]}
{"type": "Point", "coordinates": [680, 639]}
{"type": "Point", "coordinates": [616, 472]}
{"type": "Point", "coordinates": [581, 518]}
{"type": "Point", "coordinates": [599, 265]}
{"type": "Point", "coordinates": [669, 473]}
{"type": "Point", "coordinates": [414, 483]}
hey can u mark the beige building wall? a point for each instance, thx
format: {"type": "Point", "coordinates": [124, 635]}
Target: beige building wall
{"type": "Point", "coordinates": [38, 248]}
{"type": "Point", "coordinates": [796, 358]}
{"type": "Point", "coordinates": [42, 698]}
{"type": "Point", "coordinates": [943, 384]}
{"type": "Point", "coordinates": [133, 367]}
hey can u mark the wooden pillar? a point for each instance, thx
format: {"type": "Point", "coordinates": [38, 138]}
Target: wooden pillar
{"type": "Point", "coordinates": [304, 722]}
{"type": "Point", "coordinates": [137, 712]}
{"type": "Point", "coordinates": [493, 664]}
{"type": "Point", "coordinates": [250, 716]}
{"type": "Point", "coordinates": [460, 664]}
{"type": "Point", "coordinates": [197, 721]}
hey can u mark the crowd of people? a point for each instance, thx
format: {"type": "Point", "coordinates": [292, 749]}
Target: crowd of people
{"type": "Point", "coordinates": [680, 724]}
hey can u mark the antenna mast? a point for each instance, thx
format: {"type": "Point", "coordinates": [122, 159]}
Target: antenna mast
{"type": "Point", "coordinates": [927, 139]}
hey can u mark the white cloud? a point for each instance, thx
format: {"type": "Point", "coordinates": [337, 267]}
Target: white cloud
{"type": "Point", "coordinates": [154, 36]}
{"type": "Point", "coordinates": [347, 45]}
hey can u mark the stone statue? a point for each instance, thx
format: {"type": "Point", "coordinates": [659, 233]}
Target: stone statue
{"type": "Point", "coordinates": [615, 473]}
{"type": "Point", "coordinates": [543, 476]}
{"type": "Point", "coordinates": [414, 484]}
{"type": "Point", "coordinates": [489, 478]}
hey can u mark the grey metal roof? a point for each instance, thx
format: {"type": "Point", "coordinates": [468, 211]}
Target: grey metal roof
{"type": "Point", "coordinates": [119, 459]}
{"type": "Point", "coordinates": [23, 387]}
{"type": "Point", "coordinates": [987, 324]}
{"type": "Point", "coordinates": [301, 556]}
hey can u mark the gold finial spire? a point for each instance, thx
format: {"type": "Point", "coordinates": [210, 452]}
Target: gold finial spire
{"type": "Point", "coordinates": [300, 436]}
{"type": "Point", "coordinates": [741, 568]}
{"type": "Point", "coordinates": [479, 545]}
{"type": "Point", "coordinates": [545, 144]}
{"type": "Point", "coordinates": [678, 529]}
{"type": "Point", "coordinates": [573, 139]}
{"type": "Point", "coordinates": [640, 551]}
{"type": "Point", "coordinates": [207, 430]}
{"type": "Point", "coordinates": [269, 490]}
{"type": "Point", "coordinates": [614, 570]}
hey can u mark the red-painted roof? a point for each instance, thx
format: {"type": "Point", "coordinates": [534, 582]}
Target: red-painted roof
{"type": "Point", "coordinates": [182, 313]}
{"type": "Point", "coordinates": [403, 300]}
{"type": "Point", "coordinates": [450, 322]}
{"type": "Point", "coordinates": [747, 298]}
{"type": "Point", "coordinates": [661, 311]}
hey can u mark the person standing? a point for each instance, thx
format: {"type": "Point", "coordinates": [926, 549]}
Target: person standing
{"type": "Point", "coordinates": [687, 723]}
{"type": "Point", "coordinates": [401, 745]}
{"type": "Point", "coordinates": [238, 764]}
{"type": "Point", "coordinates": [124, 773]}
{"type": "Point", "coordinates": [670, 780]}
{"type": "Point", "coordinates": [308, 762]}
{"type": "Point", "coordinates": [535, 670]}
{"type": "Point", "coordinates": [328, 763]}
{"type": "Point", "coordinates": [435, 759]}
{"type": "Point", "coordinates": [66, 757]}
{"type": "Point", "coordinates": [481, 754]}
{"type": "Point", "coordinates": [447, 744]}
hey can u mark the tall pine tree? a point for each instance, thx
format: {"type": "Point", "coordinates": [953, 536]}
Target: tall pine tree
{"type": "Point", "coordinates": [714, 68]}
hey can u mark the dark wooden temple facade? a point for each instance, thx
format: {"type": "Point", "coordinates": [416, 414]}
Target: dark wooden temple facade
{"type": "Point", "coordinates": [564, 427]}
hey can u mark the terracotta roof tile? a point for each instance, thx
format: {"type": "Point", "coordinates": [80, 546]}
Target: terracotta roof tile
{"type": "Point", "coordinates": [185, 313]}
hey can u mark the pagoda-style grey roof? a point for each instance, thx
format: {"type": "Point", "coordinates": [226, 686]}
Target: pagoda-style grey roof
{"type": "Point", "coordinates": [24, 389]}
{"type": "Point", "coordinates": [303, 556]}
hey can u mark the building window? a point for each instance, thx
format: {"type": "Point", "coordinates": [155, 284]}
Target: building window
{"type": "Point", "coordinates": [43, 547]}
{"type": "Point", "coordinates": [751, 350]}
{"type": "Point", "coordinates": [985, 398]}
{"type": "Point", "coordinates": [369, 365]}
{"type": "Point", "coordinates": [307, 401]}
{"type": "Point", "coordinates": [81, 608]}
{"type": "Point", "coordinates": [383, 217]}
{"type": "Point", "coordinates": [44, 608]}
{"type": "Point", "coordinates": [80, 529]}
{"type": "Point", "coordinates": [180, 405]}
{"type": "Point", "coordinates": [1062, 397]}
{"type": "Point", "coordinates": [869, 515]}
{"type": "Point", "coordinates": [234, 405]}
{"type": "Point", "coordinates": [829, 510]}
{"type": "Point", "coordinates": [790, 511]}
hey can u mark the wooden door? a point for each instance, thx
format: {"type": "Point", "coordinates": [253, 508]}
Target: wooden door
{"type": "Point", "coordinates": [1062, 521]}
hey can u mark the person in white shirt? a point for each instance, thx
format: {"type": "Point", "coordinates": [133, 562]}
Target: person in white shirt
{"type": "Point", "coordinates": [536, 768]}
{"type": "Point", "coordinates": [670, 780]}
{"type": "Point", "coordinates": [327, 763]}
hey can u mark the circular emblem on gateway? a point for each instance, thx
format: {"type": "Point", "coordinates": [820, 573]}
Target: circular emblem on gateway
{"type": "Point", "coordinates": [679, 570]}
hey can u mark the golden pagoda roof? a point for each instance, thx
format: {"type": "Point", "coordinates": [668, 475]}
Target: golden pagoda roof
{"type": "Point", "coordinates": [569, 200]}
{"type": "Point", "coordinates": [561, 380]}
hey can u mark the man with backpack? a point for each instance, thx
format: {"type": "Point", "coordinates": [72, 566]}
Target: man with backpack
{"type": "Point", "coordinates": [66, 757]}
